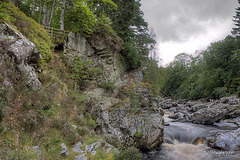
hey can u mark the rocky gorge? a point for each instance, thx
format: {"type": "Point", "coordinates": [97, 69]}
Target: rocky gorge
{"type": "Point", "coordinates": [203, 129]}
{"type": "Point", "coordinates": [123, 105]}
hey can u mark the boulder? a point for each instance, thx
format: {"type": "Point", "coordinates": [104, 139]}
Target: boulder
{"type": "Point", "coordinates": [15, 45]}
{"type": "Point", "coordinates": [81, 157]}
{"type": "Point", "coordinates": [143, 130]}
{"type": "Point", "coordinates": [229, 123]}
{"type": "Point", "coordinates": [215, 113]}
{"type": "Point", "coordinates": [209, 115]}
{"type": "Point", "coordinates": [196, 107]}
{"type": "Point", "coordinates": [232, 100]}
{"type": "Point", "coordinates": [64, 151]}
{"type": "Point", "coordinates": [91, 149]}
{"type": "Point", "coordinates": [226, 140]}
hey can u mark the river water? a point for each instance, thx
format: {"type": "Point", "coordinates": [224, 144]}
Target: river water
{"type": "Point", "coordinates": [185, 141]}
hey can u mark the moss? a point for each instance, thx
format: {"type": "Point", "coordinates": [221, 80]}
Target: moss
{"type": "Point", "coordinates": [32, 30]}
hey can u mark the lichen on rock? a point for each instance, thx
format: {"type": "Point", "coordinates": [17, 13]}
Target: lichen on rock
{"type": "Point", "coordinates": [15, 45]}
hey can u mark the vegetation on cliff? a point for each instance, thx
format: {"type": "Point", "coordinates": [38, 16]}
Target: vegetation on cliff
{"type": "Point", "coordinates": [29, 28]}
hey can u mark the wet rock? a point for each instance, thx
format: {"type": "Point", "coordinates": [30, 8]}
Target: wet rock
{"type": "Point", "coordinates": [229, 123]}
{"type": "Point", "coordinates": [166, 104]}
{"type": "Point", "coordinates": [173, 109]}
{"type": "Point", "coordinates": [196, 107]}
{"type": "Point", "coordinates": [64, 151]}
{"type": "Point", "coordinates": [232, 100]}
{"type": "Point", "coordinates": [226, 140]}
{"type": "Point", "coordinates": [209, 115]}
{"type": "Point", "coordinates": [215, 113]}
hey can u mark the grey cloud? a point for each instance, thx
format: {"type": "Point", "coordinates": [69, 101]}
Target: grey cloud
{"type": "Point", "coordinates": [178, 20]}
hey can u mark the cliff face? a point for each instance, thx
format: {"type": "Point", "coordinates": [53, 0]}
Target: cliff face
{"type": "Point", "coordinates": [123, 106]}
{"type": "Point", "coordinates": [128, 112]}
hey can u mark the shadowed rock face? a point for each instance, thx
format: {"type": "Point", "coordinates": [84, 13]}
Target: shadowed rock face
{"type": "Point", "coordinates": [14, 44]}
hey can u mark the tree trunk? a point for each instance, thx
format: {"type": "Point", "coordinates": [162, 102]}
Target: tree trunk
{"type": "Point", "coordinates": [53, 6]}
{"type": "Point", "coordinates": [45, 15]}
{"type": "Point", "coordinates": [33, 8]}
{"type": "Point", "coordinates": [48, 15]}
{"type": "Point", "coordinates": [40, 12]}
{"type": "Point", "coordinates": [61, 23]}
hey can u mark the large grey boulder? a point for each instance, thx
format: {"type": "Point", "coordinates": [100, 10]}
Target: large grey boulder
{"type": "Point", "coordinates": [233, 123]}
{"type": "Point", "coordinates": [226, 140]}
{"type": "Point", "coordinates": [15, 45]}
{"type": "Point", "coordinates": [215, 113]}
{"type": "Point", "coordinates": [208, 115]}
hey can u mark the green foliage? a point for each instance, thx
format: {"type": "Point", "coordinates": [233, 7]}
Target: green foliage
{"type": "Point", "coordinates": [236, 20]}
{"type": "Point", "coordinates": [88, 140]}
{"type": "Point", "coordinates": [220, 92]}
{"type": "Point", "coordinates": [82, 71]}
{"type": "Point", "coordinates": [129, 154]}
{"type": "Point", "coordinates": [53, 146]}
{"type": "Point", "coordinates": [81, 19]}
{"type": "Point", "coordinates": [6, 12]}
{"type": "Point", "coordinates": [90, 17]}
{"type": "Point", "coordinates": [90, 122]}
{"type": "Point", "coordinates": [129, 24]}
{"type": "Point", "coordinates": [109, 86]}
{"type": "Point", "coordinates": [214, 73]}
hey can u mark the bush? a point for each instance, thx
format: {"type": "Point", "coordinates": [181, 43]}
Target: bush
{"type": "Point", "coordinates": [4, 12]}
{"type": "Point", "coordinates": [109, 86]}
{"type": "Point", "coordinates": [220, 92]}
{"type": "Point", "coordinates": [81, 71]}
{"type": "Point", "coordinates": [129, 154]}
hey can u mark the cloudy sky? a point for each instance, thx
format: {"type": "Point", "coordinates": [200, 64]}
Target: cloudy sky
{"type": "Point", "coordinates": [188, 25]}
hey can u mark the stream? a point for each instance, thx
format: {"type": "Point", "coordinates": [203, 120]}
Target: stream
{"type": "Point", "coordinates": [186, 141]}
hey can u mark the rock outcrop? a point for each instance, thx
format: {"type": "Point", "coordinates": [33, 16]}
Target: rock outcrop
{"type": "Point", "coordinates": [128, 113]}
{"type": "Point", "coordinates": [91, 150]}
{"type": "Point", "coordinates": [15, 45]}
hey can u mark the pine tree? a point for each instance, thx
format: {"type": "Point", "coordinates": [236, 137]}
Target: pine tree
{"type": "Point", "coordinates": [236, 30]}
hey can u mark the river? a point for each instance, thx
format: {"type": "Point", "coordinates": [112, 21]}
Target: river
{"type": "Point", "coordinates": [186, 141]}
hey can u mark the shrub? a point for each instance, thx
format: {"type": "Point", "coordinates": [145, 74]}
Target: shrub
{"type": "Point", "coordinates": [220, 92]}
{"type": "Point", "coordinates": [82, 70]}
{"type": "Point", "coordinates": [129, 154]}
{"type": "Point", "coordinates": [5, 12]}
{"type": "Point", "coordinates": [109, 86]}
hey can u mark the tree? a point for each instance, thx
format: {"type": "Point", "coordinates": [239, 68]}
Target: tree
{"type": "Point", "coordinates": [236, 30]}
{"type": "Point", "coordinates": [130, 25]}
